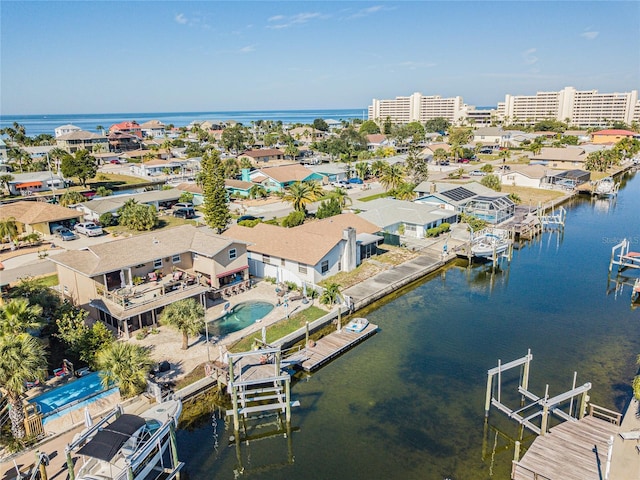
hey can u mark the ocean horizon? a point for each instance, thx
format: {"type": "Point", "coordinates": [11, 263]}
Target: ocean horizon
{"type": "Point", "coordinates": [47, 123]}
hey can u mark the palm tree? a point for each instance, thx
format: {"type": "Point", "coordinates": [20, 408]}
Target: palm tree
{"type": "Point", "coordinates": [341, 195]}
{"type": "Point", "coordinates": [126, 365]}
{"type": "Point", "coordinates": [8, 229]}
{"type": "Point", "coordinates": [316, 189]}
{"type": "Point", "coordinates": [362, 170]}
{"type": "Point", "coordinates": [257, 191]}
{"type": "Point", "coordinates": [377, 167]}
{"type": "Point", "coordinates": [291, 151]}
{"type": "Point", "coordinates": [504, 155]}
{"type": "Point", "coordinates": [71, 198]}
{"type": "Point", "coordinates": [392, 177]}
{"type": "Point", "coordinates": [22, 359]}
{"type": "Point", "coordinates": [187, 316]}
{"type": "Point", "coordinates": [18, 316]}
{"type": "Point", "coordinates": [331, 294]}
{"type": "Point", "coordinates": [4, 180]}
{"type": "Point", "coordinates": [299, 194]}
{"type": "Point", "coordinates": [405, 191]}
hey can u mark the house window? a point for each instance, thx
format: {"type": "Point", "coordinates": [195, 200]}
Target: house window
{"type": "Point", "coordinates": [175, 259]}
{"type": "Point", "coordinates": [409, 227]}
{"type": "Point", "coordinates": [324, 266]}
{"type": "Point", "coordinates": [339, 266]}
{"type": "Point", "coordinates": [157, 263]}
{"type": "Point", "coordinates": [233, 253]}
{"type": "Point", "coordinates": [266, 259]}
{"type": "Point", "coordinates": [302, 268]}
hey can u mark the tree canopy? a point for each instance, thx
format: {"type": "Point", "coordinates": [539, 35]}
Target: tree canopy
{"type": "Point", "coordinates": [186, 316]}
{"type": "Point", "coordinates": [438, 124]}
{"type": "Point", "coordinates": [215, 208]}
{"type": "Point", "coordinates": [81, 165]}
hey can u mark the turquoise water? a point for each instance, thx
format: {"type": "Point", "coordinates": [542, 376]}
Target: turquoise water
{"type": "Point", "coordinates": [242, 315]}
{"type": "Point", "coordinates": [409, 402]}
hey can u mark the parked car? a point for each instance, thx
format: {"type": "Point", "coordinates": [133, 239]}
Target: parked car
{"type": "Point", "coordinates": [183, 205]}
{"type": "Point", "coordinates": [356, 180]}
{"type": "Point", "coordinates": [115, 161]}
{"type": "Point", "coordinates": [65, 234]}
{"type": "Point", "coordinates": [185, 213]}
{"type": "Point", "coordinates": [477, 173]}
{"type": "Point", "coordinates": [248, 217]}
{"type": "Point", "coordinates": [463, 160]}
{"type": "Point", "coordinates": [89, 229]}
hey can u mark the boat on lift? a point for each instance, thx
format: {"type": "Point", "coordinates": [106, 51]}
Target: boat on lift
{"type": "Point", "coordinates": [489, 244]}
{"type": "Point", "coordinates": [130, 447]}
{"type": "Point", "coordinates": [606, 187]}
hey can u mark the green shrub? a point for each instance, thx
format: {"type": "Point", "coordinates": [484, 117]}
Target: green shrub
{"type": "Point", "coordinates": [294, 219]}
{"type": "Point", "coordinates": [434, 232]}
{"type": "Point", "coordinates": [250, 223]}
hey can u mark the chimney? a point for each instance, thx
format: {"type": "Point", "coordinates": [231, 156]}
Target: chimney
{"type": "Point", "coordinates": [432, 188]}
{"type": "Point", "coordinates": [350, 254]}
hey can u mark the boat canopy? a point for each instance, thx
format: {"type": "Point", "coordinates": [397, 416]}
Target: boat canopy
{"type": "Point", "coordinates": [108, 441]}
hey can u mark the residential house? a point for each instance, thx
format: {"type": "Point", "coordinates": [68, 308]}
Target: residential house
{"type": "Point", "coordinates": [127, 127]}
{"type": "Point", "coordinates": [79, 140]}
{"type": "Point", "coordinates": [238, 187]}
{"type": "Point", "coordinates": [160, 199]}
{"type": "Point", "coordinates": [427, 152]}
{"type": "Point", "coordinates": [155, 167]}
{"type": "Point", "coordinates": [376, 141]}
{"type": "Point", "coordinates": [29, 183]}
{"type": "Point", "coordinates": [332, 172]}
{"type": "Point", "coordinates": [276, 179]}
{"type": "Point", "coordinates": [152, 129]}
{"type": "Point", "coordinates": [308, 253]}
{"type": "Point", "coordinates": [126, 283]}
{"type": "Point", "coordinates": [306, 135]}
{"type": "Point", "coordinates": [39, 152]}
{"type": "Point", "coordinates": [488, 136]}
{"type": "Point", "coordinates": [401, 217]}
{"type": "Point", "coordinates": [65, 130]}
{"type": "Point", "coordinates": [143, 154]}
{"type": "Point", "coordinates": [531, 176]}
{"type": "Point", "coordinates": [3, 152]}
{"type": "Point", "coordinates": [472, 198]}
{"type": "Point", "coordinates": [569, 157]}
{"type": "Point", "coordinates": [612, 136]}
{"type": "Point", "coordinates": [263, 155]}
{"type": "Point", "coordinates": [105, 157]}
{"type": "Point", "coordinates": [40, 217]}
{"type": "Point", "coordinates": [123, 141]}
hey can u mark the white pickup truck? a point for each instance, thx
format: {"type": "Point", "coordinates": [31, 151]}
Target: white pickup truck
{"type": "Point", "coordinates": [89, 229]}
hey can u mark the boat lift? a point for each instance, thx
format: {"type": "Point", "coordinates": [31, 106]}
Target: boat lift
{"type": "Point", "coordinates": [553, 220]}
{"type": "Point", "coordinates": [623, 257]}
{"type": "Point", "coordinates": [541, 406]}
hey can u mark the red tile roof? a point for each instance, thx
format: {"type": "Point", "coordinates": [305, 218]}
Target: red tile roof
{"type": "Point", "coordinates": [616, 132]}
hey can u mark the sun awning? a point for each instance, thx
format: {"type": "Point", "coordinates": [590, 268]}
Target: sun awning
{"type": "Point", "coordinates": [231, 272]}
{"type": "Point", "coordinates": [29, 184]}
{"type": "Point", "coordinates": [109, 440]}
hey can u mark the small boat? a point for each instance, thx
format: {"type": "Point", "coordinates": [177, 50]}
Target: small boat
{"type": "Point", "coordinates": [129, 447]}
{"type": "Point", "coordinates": [357, 325]}
{"type": "Point", "coordinates": [488, 245]}
{"type": "Point", "coordinates": [606, 187]}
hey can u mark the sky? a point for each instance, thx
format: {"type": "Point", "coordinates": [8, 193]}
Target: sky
{"type": "Point", "coordinates": [179, 56]}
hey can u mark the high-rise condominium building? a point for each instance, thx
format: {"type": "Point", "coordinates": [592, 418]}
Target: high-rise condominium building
{"type": "Point", "coordinates": [586, 108]}
{"type": "Point", "coordinates": [416, 108]}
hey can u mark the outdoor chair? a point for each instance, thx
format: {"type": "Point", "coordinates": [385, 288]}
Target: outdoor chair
{"type": "Point", "coordinates": [152, 277]}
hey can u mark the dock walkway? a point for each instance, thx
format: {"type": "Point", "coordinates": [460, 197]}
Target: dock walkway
{"type": "Point", "coordinates": [331, 346]}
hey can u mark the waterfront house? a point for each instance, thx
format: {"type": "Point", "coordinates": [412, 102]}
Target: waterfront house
{"type": "Point", "coordinates": [554, 157]}
{"type": "Point", "coordinates": [127, 127]}
{"type": "Point", "coordinates": [471, 198]}
{"type": "Point", "coordinates": [65, 130]}
{"type": "Point", "coordinates": [401, 217]}
{"type": "Point", "coordinates": [311, 252]}
{"type": "Point", "coordinates": [532, 176]}
{"type": "Point", "coordinates": [79, 140]}
{"type": "Point", "coordinates": [39, 217]}
{"type": "Point", "coordinates": [262, 156]}
{"type": "Point", "coordinates": [152, 129]}
{"type": "Point", "coordinates": [127, 282]}
{"type": "Point", "coordinates": [28, 183]}
{"type": "Point", "coordinates": [122, 141]}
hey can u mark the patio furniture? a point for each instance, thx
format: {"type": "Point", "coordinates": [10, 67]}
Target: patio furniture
{"type": "Point", "coordinates": [177, 275]}
{"type": "Point", "coordinates": [153, 277]}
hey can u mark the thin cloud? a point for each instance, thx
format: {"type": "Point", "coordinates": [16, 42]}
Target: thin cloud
{"type": "Point", "coordinates": [529, 56]}
{"type": "Point", "coordinates": [181, 19]}
{"type": "Point", "coordinates": [415, 65]}
{"type": "Point", "coordinates": [365, 12]}
{"type": "Point", "coordinates": [248, 49]}
{"type": "Point", "coordinates": [589, 34]}
{"type": "Point", "coordinates": [281, 21]}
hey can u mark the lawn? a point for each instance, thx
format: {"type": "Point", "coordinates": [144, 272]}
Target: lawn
{"type": "Point", "coordinates": [112, 179]}
{"type": "Point", "coordinates": [532, 196]}
{"type": "Point", "coordinates": [164, 221]}
{"type": "Point", "coordinates": [373, 197]}
{"type": "Point", "coordinates": [281, 328]}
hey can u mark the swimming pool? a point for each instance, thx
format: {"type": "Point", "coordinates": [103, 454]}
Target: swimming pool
{"type": "Point", "coordinates": [69, 393]}
{"type": "Point", "coordinates": [242, 315]}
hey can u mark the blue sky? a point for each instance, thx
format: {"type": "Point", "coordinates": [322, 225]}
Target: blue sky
{"type": "Point", "coordinates": [168, 56]}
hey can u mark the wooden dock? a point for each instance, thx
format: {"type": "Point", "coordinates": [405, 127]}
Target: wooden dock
{"type": "Point", "coordinates": [570, 451]}
{"type": "Point", "coordinates": [330, 347]}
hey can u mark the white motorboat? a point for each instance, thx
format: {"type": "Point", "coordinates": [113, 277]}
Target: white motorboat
{"type": "Point", "coordinates": [488, 245]}
{"type": "Point", "coordinates": [357, 325]}
{"type": "Point", "coordinates": [605, 187]}
{"type": "Point", "coordinates": [130, 446]}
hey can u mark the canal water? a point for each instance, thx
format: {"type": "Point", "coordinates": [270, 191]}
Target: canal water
{"type": "Point", "coordinates": [409, 402]}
